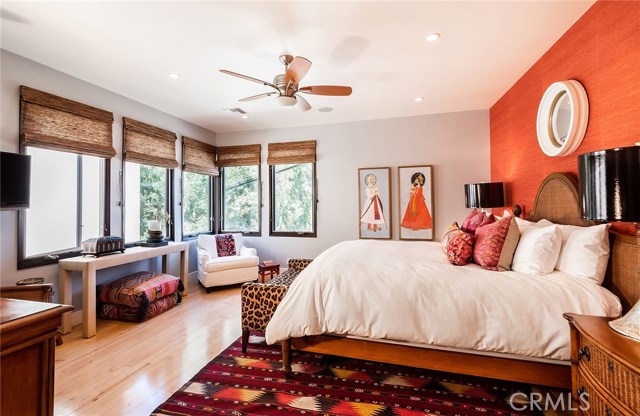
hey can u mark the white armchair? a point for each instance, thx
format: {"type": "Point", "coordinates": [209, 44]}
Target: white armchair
{"type": "Point", "coordinates": [218, 271]}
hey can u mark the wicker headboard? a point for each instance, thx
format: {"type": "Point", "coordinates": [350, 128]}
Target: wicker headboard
{"type": "Point", "coordinates": [557, 201]}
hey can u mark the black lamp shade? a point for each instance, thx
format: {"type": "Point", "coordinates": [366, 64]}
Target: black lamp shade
{"type": "Point", "coordinates": [484, 195]}
{"type": "Point", "coordinates": [610, 184]}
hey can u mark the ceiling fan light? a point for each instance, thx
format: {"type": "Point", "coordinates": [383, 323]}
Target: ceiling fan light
{"type": "Point", "coordinates": [286, 101]}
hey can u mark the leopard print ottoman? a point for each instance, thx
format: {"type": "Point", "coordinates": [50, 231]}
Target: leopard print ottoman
{"type": "Point", "coordinates": [260, 300]}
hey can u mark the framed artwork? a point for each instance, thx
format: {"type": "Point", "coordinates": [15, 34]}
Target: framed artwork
{"type": "Point", "coordinates": [374, 190]}
{"type": "Point", "coordinates": [415, 184]}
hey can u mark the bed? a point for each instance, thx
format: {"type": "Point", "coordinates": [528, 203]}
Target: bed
{"type": "Point", "coordinates": [557, 201]}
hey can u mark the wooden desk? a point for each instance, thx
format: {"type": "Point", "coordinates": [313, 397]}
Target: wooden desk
{"type": "Point", "coordinates": [89, 265]}
{"type": "Point", "coordinates": [27, 355]}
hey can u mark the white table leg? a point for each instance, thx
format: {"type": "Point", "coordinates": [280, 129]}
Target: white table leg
{"type": "Point", "coordinates": [64, 280]}
{"type": "Point", "coordinates": [184, 272]}
{"type": "Point", "coordinates": [89, 301]}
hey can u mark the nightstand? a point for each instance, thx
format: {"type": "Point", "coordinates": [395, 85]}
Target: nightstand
{"type": "Point", "coordinates": [605, 368]}
{"type": "Point", "coordinates": [265, 270]}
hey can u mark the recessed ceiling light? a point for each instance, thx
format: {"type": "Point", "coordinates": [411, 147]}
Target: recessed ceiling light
{"type": "Point", "coordinates": [432, 37]}
{"type": "Point", "coordinates": [245, 116]}
{"type": "Point", "coordinates": [325, 109]}
{"type": "Point", "coordinates": [174, 75]}
{"type": "Point", "coordinates": [419, 99]}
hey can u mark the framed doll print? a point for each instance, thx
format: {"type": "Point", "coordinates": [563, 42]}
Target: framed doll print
{"type": "Point", "coordinates": [374, 192]}
{"type": "Point", "coordinates": [415, 185]}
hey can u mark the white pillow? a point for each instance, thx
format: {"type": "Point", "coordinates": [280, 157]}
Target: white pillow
{"type": "Point", "coordinates": [538, 250]}
{"type": "Point", "coordinates": [237, 237]}
{"type": "Point", "coordinates": [526, 224]}
{"type": "Point", "coordinates": [522, 222]}
{"type": "Point", "coordinates": [585, 251]}
{"type": "Point", "coordinates": [208, 242]}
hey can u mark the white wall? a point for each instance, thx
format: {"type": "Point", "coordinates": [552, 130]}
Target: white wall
{"type": "Point", "coordinates": [456, 144]}
{"type": "Point", "coordinates": [16, 71]}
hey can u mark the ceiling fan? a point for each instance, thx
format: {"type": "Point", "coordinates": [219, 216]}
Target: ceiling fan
{"type": "Point", "coordinates": [286, 86]}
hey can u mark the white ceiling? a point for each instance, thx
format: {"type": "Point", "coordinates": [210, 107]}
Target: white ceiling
{"type": "Point", "coordinates": [376, 47]}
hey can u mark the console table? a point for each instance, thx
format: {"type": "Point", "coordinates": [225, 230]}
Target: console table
{"type": "Point", "coordinates": [27, 355]}
{"type": "Point", "coordinates": [89, 265]}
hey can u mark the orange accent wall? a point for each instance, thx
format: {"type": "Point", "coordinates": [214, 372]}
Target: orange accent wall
{"type": "Point", "coordinates": [602, 51]}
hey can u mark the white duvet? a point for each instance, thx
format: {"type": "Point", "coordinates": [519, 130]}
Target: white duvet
{"type": "Point", "coordinates": [408, 291]}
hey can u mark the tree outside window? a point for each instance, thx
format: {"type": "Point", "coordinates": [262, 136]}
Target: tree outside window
{"type": "Point", "coordinates": [196, 203]}
{"type": "Point", "coordinates": [293, 202]}
{"type": "Point", "coordinates": [241, 199]}
{"type": "Point", "coordinates": [146, 199]}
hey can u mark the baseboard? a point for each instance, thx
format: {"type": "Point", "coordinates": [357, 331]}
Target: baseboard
{"type": "Point", "coordinates": [76, 318]}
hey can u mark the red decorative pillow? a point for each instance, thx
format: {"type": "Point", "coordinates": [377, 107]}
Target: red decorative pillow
{"type": "Point", "coordinates": [458, 246]}
{"type": "Point", "coordinates": [447, 235]}
{"type": "Point", "coordinates": [226, 245]}
{"type": "Point", "coordinates": [488, 219]}
{"type": "Point", "coordinates": [473, 221]}
{"type": "Point", "coordinates": [495, 244]}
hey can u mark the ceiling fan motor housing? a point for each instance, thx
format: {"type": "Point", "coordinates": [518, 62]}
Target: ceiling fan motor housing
{"type": "Point", "coordinates": [280, 82]}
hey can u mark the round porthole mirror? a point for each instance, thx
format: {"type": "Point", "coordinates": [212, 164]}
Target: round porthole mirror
{"type": "Point", "coordinates": [562, 118]}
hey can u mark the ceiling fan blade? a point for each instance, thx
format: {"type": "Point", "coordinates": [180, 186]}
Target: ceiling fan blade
{"type": "Point", "coordinates": [335, 90]}
{"type": "Point", "coordinates": [302, 103]}
{"type": "Point", "coordinates": [248, 78]}
{"type": "Point", "coordinates": [297, 69]}
{"type": "Point", "coordinates": [255, 97]}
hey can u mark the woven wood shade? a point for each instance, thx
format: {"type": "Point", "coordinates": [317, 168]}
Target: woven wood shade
{"type": "Point", "coordinates": [198, 157]}
{"type": "Point", "coordinates": [56, 123]}
{"type": "Point", "coordinates": [292, 152]}
{"type": "Point", "coordinates": [149, 145]}
{"type": "Point", "coordinates": [246, 155]}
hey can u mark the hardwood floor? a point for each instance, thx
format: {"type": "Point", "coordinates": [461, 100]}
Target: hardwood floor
{"type": "Point", "coordinates": [129, 369]}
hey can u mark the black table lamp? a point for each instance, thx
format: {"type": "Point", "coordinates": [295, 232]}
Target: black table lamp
{"type": "Point", "coordinates": [610, 191]}
{"type": "Point", "coordinates": [484, 195]}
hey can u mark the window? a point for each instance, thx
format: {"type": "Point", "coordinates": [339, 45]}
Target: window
{"type": "Point", "coordinates": [292, 179]}
{"type": "Point", "coordinates": [197, 215]}
{"type": "Point", "coordinates": [67, 206]}
{"type": "Point", "coordinates": [198, 170]}
{"type": "Point", "coordinates": [150, 156]}
{"type": "Point", "coordinates": [241, 199]}
{"type": "Point", "coordinates": [293, 201]}
{"type": "Point", "coordinates": [70, 144]}
{"type": "Point", "coordinates": [240, 188]}
{"type": "Point", "coordinates": [147, 197]}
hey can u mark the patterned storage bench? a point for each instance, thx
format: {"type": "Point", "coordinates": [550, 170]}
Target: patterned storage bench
{"type": "Point", "coordinates": [260, 300]}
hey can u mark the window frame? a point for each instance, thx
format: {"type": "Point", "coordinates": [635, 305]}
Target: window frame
{"type": "Point", "coordinates": [43, 259]}
{"type": "Point", "coordinates": [221, 205]}
{"type": "Point", "coordinates": [212, 210]}
{"type": "Point", "coordinates": [272, 205]}
{"type": "Point", "coordinates": [168, 202]}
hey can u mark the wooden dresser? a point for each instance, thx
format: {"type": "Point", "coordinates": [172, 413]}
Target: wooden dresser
{"type": "Point", "coordinates": [27, 355]}
{"type": "Point", "coordinates": [605, 368]}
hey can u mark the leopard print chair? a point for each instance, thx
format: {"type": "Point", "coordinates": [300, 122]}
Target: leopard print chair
{"type": "Point", "coordinates": [260, 300]}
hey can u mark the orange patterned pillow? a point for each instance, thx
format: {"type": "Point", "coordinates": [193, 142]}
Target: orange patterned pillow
{"type": "Point", "coordinates": [447, 235]}
{"type": "Point", "coordinates": [495, 244]}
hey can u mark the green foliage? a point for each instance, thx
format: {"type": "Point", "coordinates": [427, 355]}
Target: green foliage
{"type": "Point", "coordinates": [240, 198]}
{"type": "Point", "coordinates": [153, 199]}
{"type": "Point", "coordinates": [195, 203]}
{"type": "Point", "coordinates": [294, 198]}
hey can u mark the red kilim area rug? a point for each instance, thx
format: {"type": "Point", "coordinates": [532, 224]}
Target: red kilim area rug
{"type": "Point", "coordinates": [252, 384]}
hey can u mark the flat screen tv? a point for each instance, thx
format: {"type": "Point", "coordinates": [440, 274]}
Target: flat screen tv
{"type": "Point", "coordinates": [15, 177]}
